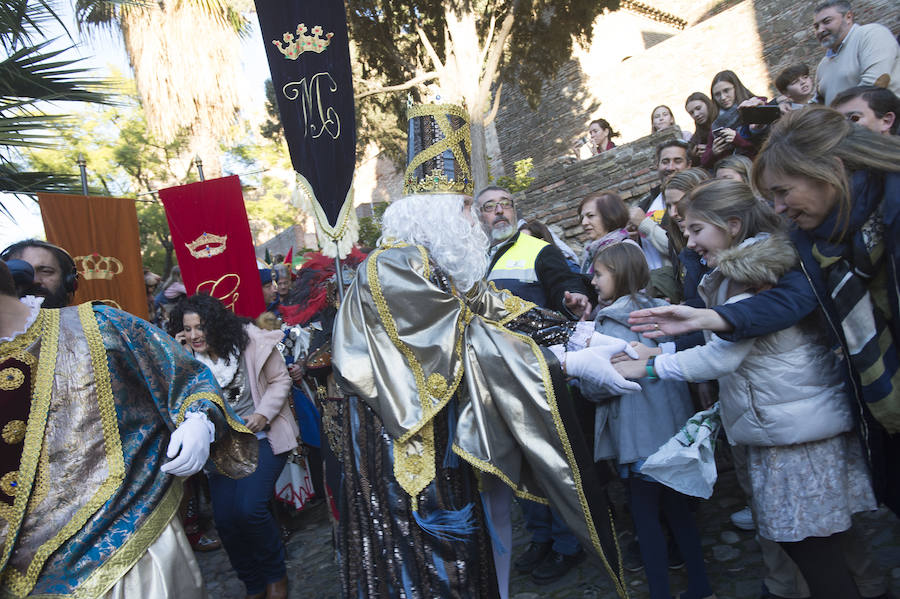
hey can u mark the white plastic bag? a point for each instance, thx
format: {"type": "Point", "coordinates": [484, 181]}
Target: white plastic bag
{"type": "Point", "coordinates": [687, 462]}
{"type": "Point", "coordinates": [294, 485]}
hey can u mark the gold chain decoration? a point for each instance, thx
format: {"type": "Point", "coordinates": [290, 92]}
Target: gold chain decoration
{"type": "Point", "coordinates": [11, 378]}
{"type": "Point", "coordinates": [9, 484]}
{"type": "Point", "coordinates": [45, 326]}
{"type": "Point", "coordinates": [14, 432]}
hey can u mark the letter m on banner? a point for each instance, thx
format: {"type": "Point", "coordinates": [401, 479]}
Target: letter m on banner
{"type": "Point", "coordinates": [309, 58]}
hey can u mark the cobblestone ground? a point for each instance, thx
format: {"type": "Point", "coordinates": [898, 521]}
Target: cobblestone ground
{"type": "Point", "coordinates": [732, 557]}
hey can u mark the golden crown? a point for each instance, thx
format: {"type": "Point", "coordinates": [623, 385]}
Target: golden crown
{"type": "Point", "coordinates": [440, 150]}
{"type": "Point", "coordinates": [95, 266]}
{"type": "Point", "coordinates": [295, 46]}
{"type": "Point", "coordinates": [207, 245]}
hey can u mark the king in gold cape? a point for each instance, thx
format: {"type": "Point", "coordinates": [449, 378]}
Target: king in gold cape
{"type": "Point", "coordinates": [450, 377]}
{"type": "Point", "coordinates": [90, 396]}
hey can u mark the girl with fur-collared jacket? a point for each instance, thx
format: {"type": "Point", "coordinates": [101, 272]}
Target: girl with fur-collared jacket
{"type": "Point", "coordinates": [782, 395]}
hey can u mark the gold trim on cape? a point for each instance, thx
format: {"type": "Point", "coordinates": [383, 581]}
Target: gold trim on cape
{"type": "Point", "coordinates": [46, 326]}
{"type": "Point", "coordinates": [570, 457]}
{"type": "Point", "coordinates": [21, 584]}
{"type": "Point", "coordinates": [126, 556]}
{"type": "Point", "coordinates": [414, 452]}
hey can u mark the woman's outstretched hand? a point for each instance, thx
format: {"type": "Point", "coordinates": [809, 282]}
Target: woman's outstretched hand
{"type": "Point", "coordinates": [675, 320]}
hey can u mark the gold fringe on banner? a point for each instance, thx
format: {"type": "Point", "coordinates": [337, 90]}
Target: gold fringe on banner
{"type": "Point", "coordinates": [336, 241]}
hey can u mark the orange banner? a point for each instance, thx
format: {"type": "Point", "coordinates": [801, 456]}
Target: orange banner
{"type": "Point", "coordinates": [102, 236]}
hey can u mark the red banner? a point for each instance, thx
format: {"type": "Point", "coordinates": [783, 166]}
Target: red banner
{"type": "Point", "coordinates": [101, 234]}
{"type": "Point", "coordinates": [212, 241]}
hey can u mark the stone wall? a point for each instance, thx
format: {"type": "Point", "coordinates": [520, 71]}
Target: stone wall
{"type": "Point", "coordinates": [621, 82]}
{"type": "Point", "coordinates": [555, 195]}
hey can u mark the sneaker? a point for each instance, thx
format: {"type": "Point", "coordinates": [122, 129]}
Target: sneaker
{"type": "Point", "coordinates": [206, 542]}
{"type": "Point", "coordinates": [533, 556]}
{"type": "Point", "coordinates": [631, 557]}
{"type": "Point", "coordinates": [555, 566]}
{"type": "Point", "coordinates": [743, 519]}
{"type": "Point", "coordinates": [676, 562]}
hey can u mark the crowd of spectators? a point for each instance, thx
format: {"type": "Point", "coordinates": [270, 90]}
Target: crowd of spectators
{"type": "Point", "coordinates": [774, 231]}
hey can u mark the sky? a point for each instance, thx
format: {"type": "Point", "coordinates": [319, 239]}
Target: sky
{"type": "Point", "coordinates": [103, 51]}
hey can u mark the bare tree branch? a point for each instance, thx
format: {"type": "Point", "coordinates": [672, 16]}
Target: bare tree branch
{"type": "Point", "coordinates": [493, 113]}
{"type": "Point", "coordinates": [496, 52]}
{"type": "Point", "coordinates": [394, 88]}
{"type": "Point", "coordinates": [487, 40]}
{"type": "Point", "coordinates": [438, 65]}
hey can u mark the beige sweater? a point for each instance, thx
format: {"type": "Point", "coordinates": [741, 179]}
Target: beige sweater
{"type": "Point", "coordinates": [867, 52]}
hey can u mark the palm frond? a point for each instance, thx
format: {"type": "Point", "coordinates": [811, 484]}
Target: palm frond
{"type": "Point", "coordinates": [21, 21]}
{"type": "Point", "coordinates": [33, 72]}
{"type": "Point", "coordinates": [13, 180]}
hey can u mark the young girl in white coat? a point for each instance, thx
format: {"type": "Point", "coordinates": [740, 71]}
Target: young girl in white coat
{"type": "Point", "coordinates": [782, 395]}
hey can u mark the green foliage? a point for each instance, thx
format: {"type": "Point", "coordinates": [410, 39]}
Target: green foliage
{"type": "Point", "coordinates": [30, 75]}
{"type": "Point", "coordinates": [370, 226]}
{"type": "Point", "coordinates": [125, 160]}
{"type": "Point", "coordinates": [271, 128]}
{"type": "Point", "coordinates": [391, 53]}
{"type": "Point", "coordinates": [522, 179]}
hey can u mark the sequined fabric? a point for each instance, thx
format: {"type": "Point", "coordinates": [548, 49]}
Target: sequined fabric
{"type": "Point", "coordinates": [384, 553]}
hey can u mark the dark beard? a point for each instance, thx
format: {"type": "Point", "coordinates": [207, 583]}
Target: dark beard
{"type": "Point", "coordinates": [58, 298]}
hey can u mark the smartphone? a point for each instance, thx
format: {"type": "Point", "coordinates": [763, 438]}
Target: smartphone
{"type": "Point", "coordinates": [759, 115]}
{"type": "Point", "coordinates": [717, 131]}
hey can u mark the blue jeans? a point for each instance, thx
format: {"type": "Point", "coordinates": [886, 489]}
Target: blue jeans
{"type": "Point", "coordinates": [545, 525]}
{"type": "Point", "coordinates": [249, 532]}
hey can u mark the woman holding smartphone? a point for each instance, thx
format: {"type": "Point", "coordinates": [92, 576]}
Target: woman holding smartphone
{"type": "Point", "coordinates": [728, 93]}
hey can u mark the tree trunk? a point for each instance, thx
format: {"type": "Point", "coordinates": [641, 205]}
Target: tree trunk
{"type": "Point", "coordinates": [479, 153]}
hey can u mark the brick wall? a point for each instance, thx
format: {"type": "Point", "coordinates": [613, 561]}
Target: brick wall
{"type": "Point", "coordinates": [755, 38]}
{"type": "Point", "coordinates": [554, 196]}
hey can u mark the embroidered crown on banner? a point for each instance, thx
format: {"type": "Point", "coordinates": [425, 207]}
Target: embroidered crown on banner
{"type": "Point", "coordinates": [207, 245]}
{"type": "Point", "coordinates": [95, 266]}
{"type": "Point", "coordinates": [303, 42]}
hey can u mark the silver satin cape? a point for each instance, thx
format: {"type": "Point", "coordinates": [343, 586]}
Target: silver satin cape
{"type": "Point", "coordinates": [405, 347]}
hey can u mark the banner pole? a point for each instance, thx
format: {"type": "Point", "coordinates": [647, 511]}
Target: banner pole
{"type": "Point", "coordinates": [340, 278]}
{"type": "Point", "coordinates": [199, 164]}
{"type": "Point", "coordinates": [82, 167]}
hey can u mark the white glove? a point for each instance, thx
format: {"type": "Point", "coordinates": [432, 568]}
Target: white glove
{"type": "Point", "coordinates": [592, 365]}
{"type": "Point", "coordinates": [190, 442]}
{"type": "Point", "coordinates": [601, 340]}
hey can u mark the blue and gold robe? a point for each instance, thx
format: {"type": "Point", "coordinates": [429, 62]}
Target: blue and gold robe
{"type": "Point", "coordinates": [88, 399]}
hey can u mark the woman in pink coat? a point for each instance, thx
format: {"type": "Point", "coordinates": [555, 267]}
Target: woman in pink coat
{"type": "Point", "coordinates": [255, 381]}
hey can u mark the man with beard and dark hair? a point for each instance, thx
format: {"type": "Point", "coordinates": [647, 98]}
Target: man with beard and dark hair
{"type": "Point", "coordinates": [55, 277]}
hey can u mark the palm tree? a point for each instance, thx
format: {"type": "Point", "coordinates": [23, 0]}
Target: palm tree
{"type": "Point", "coordinates": [184, 54]}
{"type": "Point", "coordinates": [32, 75]}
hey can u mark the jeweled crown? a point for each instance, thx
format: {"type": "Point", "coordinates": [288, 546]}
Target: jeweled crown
{"type": "Point", "coordinates": [293, 47]}
{"type": "Point", "coordinates": [439, 150]}
{"type": "Point", "coordinates": [95, 266]}
{"type": "Point", "coordinates": [207, 245]}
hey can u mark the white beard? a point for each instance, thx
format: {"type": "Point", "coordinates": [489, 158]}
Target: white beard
{"type": "Point", "coordinates": [502, 233]}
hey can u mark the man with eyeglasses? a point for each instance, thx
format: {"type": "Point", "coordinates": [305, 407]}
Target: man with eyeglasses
{"type": "Point", "coordinates": [527, 266]}
{"type": "Point", "coordinates": [535, 271]}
